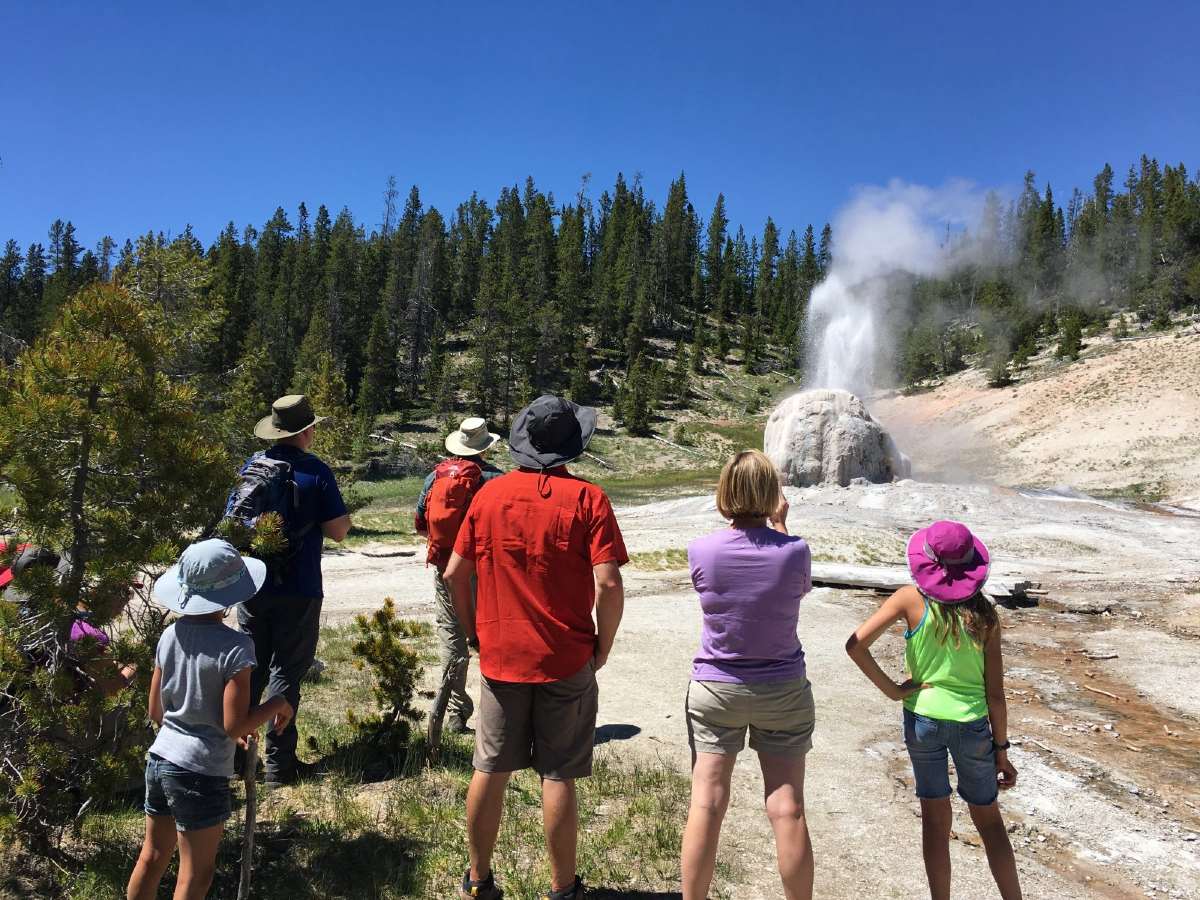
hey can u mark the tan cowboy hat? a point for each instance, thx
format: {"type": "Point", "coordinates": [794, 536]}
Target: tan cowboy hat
{"type": "Point", "coordinates": [289, 416]}
{"type": "Point", "coordinates": [471, 439]}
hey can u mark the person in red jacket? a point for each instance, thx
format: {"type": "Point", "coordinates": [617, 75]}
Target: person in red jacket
{"type": "Point", "coordinates": [545, 549]}
{"type": "Point", "coordinates": [470, 443]}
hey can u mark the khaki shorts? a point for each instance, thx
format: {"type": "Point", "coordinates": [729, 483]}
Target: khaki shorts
{"type": "Point", "coordinates": [551, 726]}
{"type": "Point", "coordinates": [780, 715]}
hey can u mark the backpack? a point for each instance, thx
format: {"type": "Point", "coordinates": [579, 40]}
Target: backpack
{"type": "Point", "coordinates": [455, 482]}
{"type": "Point", "coordinates": [269, 485]}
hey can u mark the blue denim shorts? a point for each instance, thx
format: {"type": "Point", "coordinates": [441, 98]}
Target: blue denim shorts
{"type": "Point", "coordinates": [194, 800]}
{"type": "Point", "coordinates": [930, 741]}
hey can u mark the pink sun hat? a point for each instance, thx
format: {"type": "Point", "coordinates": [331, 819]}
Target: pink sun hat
{"type": "Point", "coordinates": [948, 563]}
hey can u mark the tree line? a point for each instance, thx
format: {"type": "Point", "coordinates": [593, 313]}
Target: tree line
{"type": "Point", "coordinates": [615, 300]}
{"type": "Point", "coordinates": [1044, 273]}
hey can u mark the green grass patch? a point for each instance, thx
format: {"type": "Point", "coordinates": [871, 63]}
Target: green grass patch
{"type": "Point", "coordinates": [348, 833]}
{"type": "Point", "coordinates": [650, 486]}
{"type": "Point", "coordinates": [660, 560]}
{"type": "Point", "coordinates": [388, 512]}
{"type": "Point", "coordinates": [1137, 492]}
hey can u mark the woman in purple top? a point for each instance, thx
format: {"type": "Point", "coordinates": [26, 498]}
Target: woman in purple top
{"type": "Point", "coordinates": [749, 674]}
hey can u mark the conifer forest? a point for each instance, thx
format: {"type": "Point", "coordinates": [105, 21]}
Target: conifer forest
{"type": "Point", "coordinates": [611, 299]}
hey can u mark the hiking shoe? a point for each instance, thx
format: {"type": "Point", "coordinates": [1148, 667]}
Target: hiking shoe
{"type": "Point", "coordinates": [458, 725]}
{"type": "Point", "coordinates": [574, 892]}
{"type": "Point", "coordinates": [480, 890]}
{"type": "Point", "coordinates": [301, 770]}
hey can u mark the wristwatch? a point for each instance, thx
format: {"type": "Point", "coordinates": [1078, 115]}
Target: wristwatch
{"type": "Point", "coordinates": [998, 746]}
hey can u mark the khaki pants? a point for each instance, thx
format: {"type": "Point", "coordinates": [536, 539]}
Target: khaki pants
{"type": "Point", "coordinates": [454, 652]}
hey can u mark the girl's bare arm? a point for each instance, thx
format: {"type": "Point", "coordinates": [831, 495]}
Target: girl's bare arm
{"type": "Point", "coordinates": [993, 681]}
{"type": "Point", "coordinates": [154, 707]}
{"type": "Point", "coordinates": [240, 719]}
{"type": "Point", "coordinates": [894, 609]}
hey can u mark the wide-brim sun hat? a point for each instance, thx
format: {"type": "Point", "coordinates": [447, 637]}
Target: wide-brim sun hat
{"type": "Point", "coordinates": [948, 563]}
{"type": "Point", "coordinates": [550, 432]}
{"type": "Point", "coordinates": [209, 577]}
{"type": "Point", "coordinates": [289, 416]}
{"type": "Point", "coordinates": [471, 438]}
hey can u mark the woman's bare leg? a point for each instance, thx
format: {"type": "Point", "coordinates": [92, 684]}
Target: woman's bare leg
{"type": "Point", "coordinates": [711, 775]}
{"type": "Point", "coordinates": [783, 790]}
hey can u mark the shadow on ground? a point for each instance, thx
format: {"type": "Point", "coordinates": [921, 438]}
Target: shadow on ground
{"type": "Point", "coordinates": [615, 732]}
{"type": "Point", "coordinates": [606, 894]}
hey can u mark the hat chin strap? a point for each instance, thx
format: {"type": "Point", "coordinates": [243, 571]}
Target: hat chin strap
{"type": "Point", "coordinates": [947, 563]}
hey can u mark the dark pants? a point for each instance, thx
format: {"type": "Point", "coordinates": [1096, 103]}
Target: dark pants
{"type": "Point", "coordinates": [284, 630]}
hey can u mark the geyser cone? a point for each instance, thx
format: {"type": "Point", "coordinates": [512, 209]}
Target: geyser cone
{"type": "Point", "coordinates": [828, 437]}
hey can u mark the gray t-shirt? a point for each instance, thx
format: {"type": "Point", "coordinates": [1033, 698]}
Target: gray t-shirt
{"type": "Point", "coordinates": [197, 657]}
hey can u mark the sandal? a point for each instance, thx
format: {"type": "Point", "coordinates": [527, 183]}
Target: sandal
{"type": "Point", "coordinates": [484, 889]}
{"type": "Point", "coordinates": [574, 892]}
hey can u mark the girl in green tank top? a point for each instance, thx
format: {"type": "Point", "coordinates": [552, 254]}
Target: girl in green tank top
{"type": "Point", "coordinates": [953, 695]}
{"type": "Point", "coordinates": [943, 655]}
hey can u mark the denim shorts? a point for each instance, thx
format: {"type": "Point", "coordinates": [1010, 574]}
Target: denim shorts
{"type": "Point", "coordinates": [194, 800]}
{"type": "Point", "coordinates": [929, 741]}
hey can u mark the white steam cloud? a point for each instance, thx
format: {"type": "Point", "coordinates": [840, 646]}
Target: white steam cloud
{"type": "Point", "coordinates": [884, 237]}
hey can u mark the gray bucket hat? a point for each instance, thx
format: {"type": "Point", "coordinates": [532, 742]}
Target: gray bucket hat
{"type": "Point", "coordinates": [210, 576]}
{"type": "Point", "coordinates": [31, 556]}
{"type": "Point", "coordinates": [550, 432]}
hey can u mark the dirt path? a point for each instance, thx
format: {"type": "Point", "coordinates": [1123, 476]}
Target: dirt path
{"type": "Point", "coordinates": [1108, 801]}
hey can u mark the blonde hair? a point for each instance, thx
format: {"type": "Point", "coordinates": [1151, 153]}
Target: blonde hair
{"type": "Point", "coordinates": [749, 487]}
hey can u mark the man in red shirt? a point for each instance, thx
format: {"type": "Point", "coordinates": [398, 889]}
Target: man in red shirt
{"type": "Point", "coordinates": [545, 548]}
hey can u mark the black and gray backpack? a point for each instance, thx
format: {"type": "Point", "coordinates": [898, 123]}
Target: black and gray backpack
{"type": "Point", "coordinates": [269, 485]}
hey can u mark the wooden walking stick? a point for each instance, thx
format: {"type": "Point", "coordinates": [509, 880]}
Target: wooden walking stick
{"type": "Point", "coordinates": [248, 772]}
{"type": "Point", "coordinates": [437, 715]}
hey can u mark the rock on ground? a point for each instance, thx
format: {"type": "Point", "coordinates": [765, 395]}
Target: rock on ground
{"type": "Point", "coordinates": [828, 437]}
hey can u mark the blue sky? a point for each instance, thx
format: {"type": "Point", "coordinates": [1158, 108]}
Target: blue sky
{"type": "Point", "coordinates": [126, 117]}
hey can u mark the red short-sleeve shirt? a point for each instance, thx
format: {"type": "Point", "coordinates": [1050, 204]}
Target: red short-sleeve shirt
{"type": "Point", "coordinates": [534, 538]}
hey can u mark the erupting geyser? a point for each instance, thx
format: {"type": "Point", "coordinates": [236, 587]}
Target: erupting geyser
{"type": "Point", "coordinates": [828, 437]}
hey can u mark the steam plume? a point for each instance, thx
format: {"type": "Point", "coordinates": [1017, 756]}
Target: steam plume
{"type": "Point", "coordinates": [883, 237]}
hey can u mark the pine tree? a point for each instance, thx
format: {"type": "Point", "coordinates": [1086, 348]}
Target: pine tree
{"type": "Point", "coordinates": [96, 436]}
{"type": "Point", "coordinates": [681, 374]}
{"type": "Point", "coordinates": [377, 394]}
{"type": "Point", "coordinates": [825, 253]}
{"type": "Point", "coordinates": [335, 436]}
{"type": "Point", "coordinates": [635, 402]}
{"type": "Point", "coordinates": [581, 376]}
{"type": "Point", "coordinates": [699, 344]}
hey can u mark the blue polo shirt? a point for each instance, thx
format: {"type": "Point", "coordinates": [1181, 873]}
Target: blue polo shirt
{"type": "Point", "coordinates": [320, 501]}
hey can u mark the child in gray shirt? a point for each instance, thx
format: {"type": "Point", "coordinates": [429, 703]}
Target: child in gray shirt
{"type": "Point", "coordinates": [200, 697]}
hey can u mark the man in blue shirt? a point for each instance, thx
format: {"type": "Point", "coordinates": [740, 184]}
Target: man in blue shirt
{"type": "Point", "coordinates": [284, 618]}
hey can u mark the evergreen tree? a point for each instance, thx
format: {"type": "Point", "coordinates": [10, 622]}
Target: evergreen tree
{"type": "Point", "coordinates": [96, 435]}
{"type": "Point", "coordinates": [379, 376]}
{"type": "Point", "coordinates": [825, 253]}
{"type": "Point", "coordinates": [581, 377]}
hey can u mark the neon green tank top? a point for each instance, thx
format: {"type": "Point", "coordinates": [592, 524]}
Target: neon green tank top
{"type": "Point", "coordinates": [955, 674]}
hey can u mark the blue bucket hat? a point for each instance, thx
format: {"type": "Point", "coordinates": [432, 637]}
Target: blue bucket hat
{"type": "Point", "coordinates": [210, 576]}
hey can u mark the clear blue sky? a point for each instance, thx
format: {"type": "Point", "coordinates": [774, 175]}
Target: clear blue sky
{"type": "Point", "coordinates": [126, 117]}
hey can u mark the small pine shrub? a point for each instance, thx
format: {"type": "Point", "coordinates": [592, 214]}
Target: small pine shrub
{"type": "Point", "coordinates": [395, 667]}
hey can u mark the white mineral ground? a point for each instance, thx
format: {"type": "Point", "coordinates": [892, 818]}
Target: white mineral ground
{"type": "Point", "coordinates": [1108, 802]}
{"type": "Point", "coordinates": [1095, 817]}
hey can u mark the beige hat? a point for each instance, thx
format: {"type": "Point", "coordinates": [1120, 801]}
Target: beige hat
{"type": "Point", "coordinates": [471, 439]}
{"type": "Point", "coordinates": [289, 416]}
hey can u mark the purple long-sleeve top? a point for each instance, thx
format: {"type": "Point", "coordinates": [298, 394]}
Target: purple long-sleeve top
{"type": "Point", "coordinates": [750, 582]}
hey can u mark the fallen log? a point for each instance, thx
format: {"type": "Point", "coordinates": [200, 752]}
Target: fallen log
{"type": "Point", "coordinates": [886, 579]}
{"type": "Point", "coordinates": [663, 440]}
{"type": "Point", "coordinates": [602, 462]}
